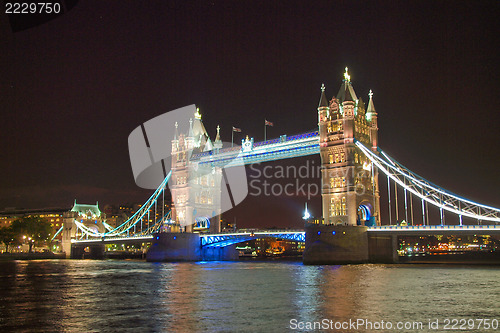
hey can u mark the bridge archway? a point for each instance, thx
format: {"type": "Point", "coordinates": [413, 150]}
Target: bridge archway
{"type": "Point", "coordinates": [365, 214]}
{"type": "Point", "coordinates": [202, 223]}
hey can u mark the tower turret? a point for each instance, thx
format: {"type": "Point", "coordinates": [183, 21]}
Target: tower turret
{"type": "Point", "coordinates": [323, 114]}
{"type": "Point", "coordinates": [218, 142]}
{"type": "Point", "coordinates": [371, 116]}
{"type": "Point", "coordinates": [175, 144]}
{"type": "Point", "coordinates": [190, 138]}
{"type": "Point", "coordinates": [323, 108]}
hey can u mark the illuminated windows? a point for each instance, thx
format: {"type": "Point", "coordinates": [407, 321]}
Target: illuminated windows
{"type": "Point", "coordinates": [337, 182]}
{"type": "Point", "coordinates": [337, 206]}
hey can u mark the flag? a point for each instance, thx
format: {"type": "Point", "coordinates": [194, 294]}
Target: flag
{"type": "Point", "coordinates": [236, 129]}
{"type": "Point", "coordinates": [268, 123]}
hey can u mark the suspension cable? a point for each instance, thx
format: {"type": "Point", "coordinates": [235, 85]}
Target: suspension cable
{"type": "Point", "coordinates": [427, 191]}
{"type": "Point", "coordinates": [411, 208]}
{"type": "Point", "coordinates": [406, 207]}
{"type": "Point", "coordinates": [389, 194]}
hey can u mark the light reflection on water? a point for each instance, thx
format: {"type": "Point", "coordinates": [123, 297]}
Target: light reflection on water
{"type": "Point", "coordinates": [125, 296]}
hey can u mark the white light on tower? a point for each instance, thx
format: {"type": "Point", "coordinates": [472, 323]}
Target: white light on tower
{"type": "Point", "coordinates": [306, 214]}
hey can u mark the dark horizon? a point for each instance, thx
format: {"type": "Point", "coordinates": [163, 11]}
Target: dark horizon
{"type": "Point", "coordinates": [74, 88]}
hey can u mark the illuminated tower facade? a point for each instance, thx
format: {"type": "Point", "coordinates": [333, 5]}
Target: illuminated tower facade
{"type": "Point", "coordinates": [195, 187]}
{"type": "Point", "coordinates": [350, 193]}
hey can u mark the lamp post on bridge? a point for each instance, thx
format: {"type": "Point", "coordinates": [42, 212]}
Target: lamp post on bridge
{"type": "Point", "coordinates": [307, 215]}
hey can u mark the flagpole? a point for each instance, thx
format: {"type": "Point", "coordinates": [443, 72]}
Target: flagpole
{"type": "Point", "coordinates": [232, 137]}
{"type": "Point", "coordinates": [265, 130]}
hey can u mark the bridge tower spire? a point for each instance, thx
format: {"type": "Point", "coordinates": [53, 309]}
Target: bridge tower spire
{"type": "Point", "coordinates": [371, 116]}
{"type": "Point", "coordinates": [349, 182]}
{"type": "Point", "coordinates": [218, 142]}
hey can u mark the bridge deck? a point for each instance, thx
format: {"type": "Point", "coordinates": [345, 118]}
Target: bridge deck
{"type": "Point", "coordinates": [287, 147]}
{"type": "Point", "coordinates": [437, 230]}
{"type": "Point", "coordinates": [224, 239]}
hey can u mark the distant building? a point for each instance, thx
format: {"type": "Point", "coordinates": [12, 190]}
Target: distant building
{"type": "Point", "coordinates": [52, 215]}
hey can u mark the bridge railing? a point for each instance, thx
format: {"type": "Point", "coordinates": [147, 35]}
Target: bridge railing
{"type": "Point", "coordinates": [232, 151]}
{"type": "Point", "coordinates": [435, 227]}
{"type": "Point", "coordinates": [253, 231]}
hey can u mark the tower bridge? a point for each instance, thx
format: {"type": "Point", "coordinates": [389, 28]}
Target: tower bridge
{"type": "Point", "coordinates": [351, 160]}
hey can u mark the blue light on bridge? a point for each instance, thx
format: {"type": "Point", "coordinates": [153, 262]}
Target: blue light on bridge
{"type": "Point", "coordinates": [333, 232]}
{"type": "Point", "coordinates": [175, 237]}
{"type": "Point", "coordinates": [319, 232]}
{"type": "Point", "coordinates": [223, 240]}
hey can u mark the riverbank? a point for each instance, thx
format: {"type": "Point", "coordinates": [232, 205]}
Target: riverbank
{"type": "Point", "coordinates": [32, 256]}
{"type": "Point", "coordinates": [468, 258]}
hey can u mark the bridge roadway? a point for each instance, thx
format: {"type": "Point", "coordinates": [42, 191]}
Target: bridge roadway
{"type": "Point", "coordinates": [207, 240]}
{"type": "Point", "coordinates": [445, 230]}
{"type": "Point", "coordinates": [271, 150]}
{"type": "Point", "coordinates": [229, 238]}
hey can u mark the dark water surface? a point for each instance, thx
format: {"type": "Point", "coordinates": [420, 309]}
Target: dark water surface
{"type": "Point", "coordinates": [136, 296]}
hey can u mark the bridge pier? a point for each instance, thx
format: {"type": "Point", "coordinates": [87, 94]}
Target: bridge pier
{"type": "Point", "coordinates": [96, 251]}
{"type": "Point", "coordinates": [75, 252]}
{"type": "Point", "coordinates": [331, 244]}
{"type": "Point", "coordinates": [383, 249]}
{"type": "Point", "coordinates": [183, 246]}
{"type": "Point", "coordinates": [335, 244]}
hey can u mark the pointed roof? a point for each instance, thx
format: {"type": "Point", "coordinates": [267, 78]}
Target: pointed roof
{"type": "Point", "coordinates": [346, 92]}
{"type": "Point", "coordinates": [323, 102]}
{"type": "Point", "coordinates": [208, 145]}
{"type": "Point", "coordinates": [217, 137]}
{"type": "Point", "coordinates": [361, 106]}
{"type": "Point", "coordinates": [197, 132]}
{"type": "Point", "coordinates": [218, 141]}
{"type": "Point", "coordinates": [371, 108]}
{"type": "Point", "coordinates": [90, 211]}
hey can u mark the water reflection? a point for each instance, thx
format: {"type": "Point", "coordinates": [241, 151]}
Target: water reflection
{"type": "Point", "coordinates": [125, 296]}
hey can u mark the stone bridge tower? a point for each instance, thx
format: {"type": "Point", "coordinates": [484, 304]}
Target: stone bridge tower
{"type": "Point", "coordinates": [350, 192]}
{"type": "Point", "coordinates": [195, 187]}
{"type": "Point", "coordinates": [88, 215]}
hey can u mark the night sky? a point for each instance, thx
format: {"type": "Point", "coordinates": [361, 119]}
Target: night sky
{"type": "Point", "coordinates": [73, 89]}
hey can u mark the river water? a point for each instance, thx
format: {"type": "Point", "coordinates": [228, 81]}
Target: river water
{"type": "Point", "coordinates": [137, 296]}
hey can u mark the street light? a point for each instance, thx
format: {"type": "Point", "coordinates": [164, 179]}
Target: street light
{"type": "Point", "coordinates": [306, 214]}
